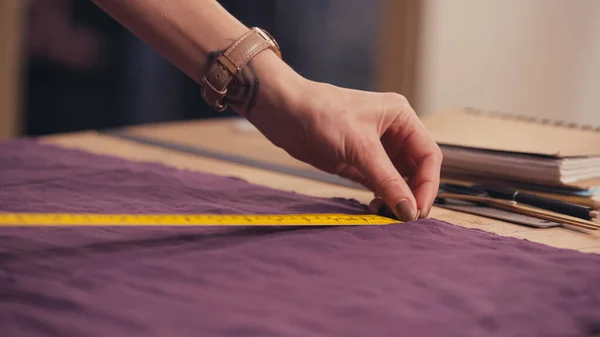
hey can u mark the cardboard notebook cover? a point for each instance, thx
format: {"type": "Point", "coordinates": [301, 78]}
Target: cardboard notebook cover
{"type": "Point", "coordinates": [503, 133]}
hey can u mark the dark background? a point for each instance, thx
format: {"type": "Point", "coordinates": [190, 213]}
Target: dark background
{"type": "Point", "coordinates": [132, 84]}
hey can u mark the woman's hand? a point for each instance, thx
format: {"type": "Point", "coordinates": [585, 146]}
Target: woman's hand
{"type": "Point", "coordinates": [374, 139]}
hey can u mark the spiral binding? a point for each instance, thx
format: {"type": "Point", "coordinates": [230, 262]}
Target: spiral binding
{"type": "Point", "coordinates": [532, 119]}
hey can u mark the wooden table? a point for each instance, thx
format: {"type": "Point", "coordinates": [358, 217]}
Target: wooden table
{"type": "Point", "coordinates": [222, 135]}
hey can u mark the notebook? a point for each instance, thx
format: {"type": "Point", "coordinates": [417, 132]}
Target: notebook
{"type": "Point", "coordinates": [482, 144]}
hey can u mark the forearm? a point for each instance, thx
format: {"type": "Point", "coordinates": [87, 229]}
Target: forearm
{"type": "Point", "coordinates": [347, 132]}
{"type": "Point", "coordinates": [185, 32]}
{"type": "Point", "coordinates": [189, 33]}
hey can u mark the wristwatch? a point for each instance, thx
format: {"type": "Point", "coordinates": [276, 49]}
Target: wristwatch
{"type": "Point", "coordinates": [228, 65]}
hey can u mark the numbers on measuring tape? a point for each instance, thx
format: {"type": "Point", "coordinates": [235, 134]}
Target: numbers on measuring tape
{"type": "Point", "coordinates": [87, 219]}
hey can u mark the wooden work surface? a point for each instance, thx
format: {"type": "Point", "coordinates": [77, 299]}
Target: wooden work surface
{"type": "Point", "coordinates": [223, 135]}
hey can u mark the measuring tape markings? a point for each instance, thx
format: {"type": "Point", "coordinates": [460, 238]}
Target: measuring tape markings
{"type": "Point", "coordinates": [91, 219]}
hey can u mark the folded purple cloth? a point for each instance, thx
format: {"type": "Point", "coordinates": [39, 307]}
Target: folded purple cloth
{"type": "Point", "coordinates": [422, 278]}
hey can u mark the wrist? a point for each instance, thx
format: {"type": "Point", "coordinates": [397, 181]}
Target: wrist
{"type": "Point", "coordinates": [267, 84]}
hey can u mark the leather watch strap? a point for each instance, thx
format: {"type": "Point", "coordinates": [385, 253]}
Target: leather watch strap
{"type": "Point", "coordinates": [228, 65]}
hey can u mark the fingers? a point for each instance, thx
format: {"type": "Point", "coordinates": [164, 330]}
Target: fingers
{"type": "Point", "coordinates": [372, 161]}
{"type": "Point", "coordinates": [427, 182]}
{"type": "Point", "coordinates": [350, 172]}
{"type": "Point", "coordinates": [403, 162]}
{"type": "Point", "coordinates": [341, 169]}
{"type": "Point", "coordinates": [428, 160]}
{"type": "Point", "coordinates": [376, 205]}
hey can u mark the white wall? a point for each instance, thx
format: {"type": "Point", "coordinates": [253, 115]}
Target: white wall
{"type": "Point", "coordinates": [535, 57]}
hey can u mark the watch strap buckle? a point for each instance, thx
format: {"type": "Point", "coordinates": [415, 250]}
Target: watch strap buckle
{"type": "Point", "coordinates": [213, 96]}
{"type": "Point", "coordinates": [229, 64]}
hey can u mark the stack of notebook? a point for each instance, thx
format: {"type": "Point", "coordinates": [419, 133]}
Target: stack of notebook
{"type": "Point", "coordinates": [553, 159]}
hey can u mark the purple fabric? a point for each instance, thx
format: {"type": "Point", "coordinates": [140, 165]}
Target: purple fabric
{"type": "Point", "coordinates": [423, 278]}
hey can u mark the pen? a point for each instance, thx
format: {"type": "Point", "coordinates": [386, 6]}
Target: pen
{"type": "Point", "coordinates": [558, 206]}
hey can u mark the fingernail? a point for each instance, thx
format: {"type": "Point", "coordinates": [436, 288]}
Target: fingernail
{"type": "Point", "coordinates": [376, 205]}
{"type": "Point", "coordinates": [405, 211]}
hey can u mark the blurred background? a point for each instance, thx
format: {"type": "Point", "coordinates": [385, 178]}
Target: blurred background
{"type": "Point", "coordinates": [67, 66]}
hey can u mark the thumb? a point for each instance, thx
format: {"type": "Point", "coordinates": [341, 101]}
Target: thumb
{"type": "Point", "coordinates": [377, 167]}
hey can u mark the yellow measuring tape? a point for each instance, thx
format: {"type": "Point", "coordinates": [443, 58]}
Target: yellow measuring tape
{"type": "Point", "coordinates": [91, 219]}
